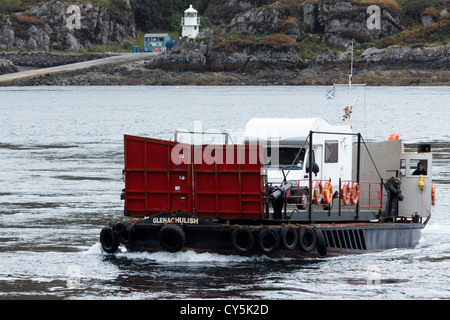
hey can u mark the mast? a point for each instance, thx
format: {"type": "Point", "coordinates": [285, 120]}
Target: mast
{"type": "Point", "coordinates": [350, 79]}
{"type": "Point", "coordinates": [351, 105]}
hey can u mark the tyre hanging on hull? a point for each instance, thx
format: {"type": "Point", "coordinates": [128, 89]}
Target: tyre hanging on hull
{"type": "Point", "coordinates": [268, 240]}
{"type": "Point", "coordinates": [125, 232]}
{"type": "Point", "coordinates": [108, 240]}
{"type": "Point", "coordinates": [242, 240]}
{"type": "Point", "coordinates": [307, 239]}
{"type": "Point", "coordinates": [171, 237]}
{"type": "Point", "coordinates": [321, 244]}
{"type": "Point", "coordinates": [289, 237]}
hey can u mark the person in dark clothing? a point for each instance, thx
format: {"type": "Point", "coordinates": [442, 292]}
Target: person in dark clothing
{"type": "Point", "coordinates": [420, 170]}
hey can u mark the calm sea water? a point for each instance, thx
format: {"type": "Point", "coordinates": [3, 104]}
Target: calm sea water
{"type": "Point", "coordinates": [61, 158]}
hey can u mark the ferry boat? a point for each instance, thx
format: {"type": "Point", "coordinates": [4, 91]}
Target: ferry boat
{"type": "Point", "coordinates": [295, 188]}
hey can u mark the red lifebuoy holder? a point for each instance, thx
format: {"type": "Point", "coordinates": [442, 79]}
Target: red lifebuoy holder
{"type": "Point", "coordinates": [327, 193]}
{"type": "Point", "coordinates": [346, 193]}
{"type": "Point", "coordinates": [354, 193]}
{"type": "Point", "coordinates": [318, 192]}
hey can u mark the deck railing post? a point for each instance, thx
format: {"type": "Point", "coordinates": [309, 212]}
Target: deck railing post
{"type": "Point", "coordinates": [358, 168]}
{"type": "Point", "coordinates": [310, 173]}
{"type": "Point", "coordinates": [339, 198]}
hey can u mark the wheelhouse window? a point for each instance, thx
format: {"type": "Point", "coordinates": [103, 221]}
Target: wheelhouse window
{"type": "Point", "coordinates": [331, 151]}
{"type": "Point", "coordinates": [418, 167]}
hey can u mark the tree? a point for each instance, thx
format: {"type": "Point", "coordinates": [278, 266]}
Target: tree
{"type": "Point", "coordinates": [161, 14]}
{"type": "Point", "coordinates": [175, 22]}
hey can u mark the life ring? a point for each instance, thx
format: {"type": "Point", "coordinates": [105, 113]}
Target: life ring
{"type": "Point", "coordinates": [318, 192]}
{"type": "Point", "coordinates": [289, 237]}
{"type": "Point", "coordinates": [327, 193]}
{"type": "Point", "coordinates": [321, 245]}
{"type": "Point", "coordinates": [242, 240]}
{"type": "Point", "coordinates": [268, 240]}
{"type": "Point", "coordinates": [346, 193]}
{"type": "Point", "coordinates": [355, 193]}
{"type": "Point", "coordinates": [171, 237]}
{"type": "Point", "coordinates": [306, 239]}
{"type": "Point", "coordinates": [108, 240]}
{"type": "Point", "coordinates": [433, 194]}
{"type": "Point", "coordinates": [124, 232]}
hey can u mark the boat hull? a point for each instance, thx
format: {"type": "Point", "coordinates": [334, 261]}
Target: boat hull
{"type": "Point", "coordinates": [167, 232]}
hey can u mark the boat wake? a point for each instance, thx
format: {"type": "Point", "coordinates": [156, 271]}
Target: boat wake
{"type": "Point", "coordinates": [180, 257]}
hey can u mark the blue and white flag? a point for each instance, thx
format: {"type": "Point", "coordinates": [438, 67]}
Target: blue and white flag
{"type": "Point", "coordinates": [330, 94]}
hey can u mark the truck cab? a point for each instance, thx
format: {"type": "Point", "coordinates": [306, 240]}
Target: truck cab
{"type": "Point", "coordinates": [287, 151]}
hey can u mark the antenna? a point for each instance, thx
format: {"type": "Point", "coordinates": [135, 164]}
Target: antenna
{"type": "Point", "coordinates": [349, 109]}
{"type": "Point", "coordinates": [350, 79]}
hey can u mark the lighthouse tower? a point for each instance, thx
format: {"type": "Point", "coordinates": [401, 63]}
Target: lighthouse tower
{"type": "Point", "coordinates": [190, 23]}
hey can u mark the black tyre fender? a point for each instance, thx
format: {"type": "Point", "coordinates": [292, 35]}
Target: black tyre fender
{"type": "Point", "coordinates": [125, 232]}
{"type": "Point", "coordinates": [242, 240]}
{"type": "Point", "coordinates": [171, 237]}
{"type": "Point", "coordinates": [321, 245]}
{"type": "Point", "coordinates": [289, 237]}
{"type": "Point", "coordinates": [307, 239]}
{"type": "Point", "coordinates": [268, 240]}
{"type": "Point", "coordinates": [108, 240]}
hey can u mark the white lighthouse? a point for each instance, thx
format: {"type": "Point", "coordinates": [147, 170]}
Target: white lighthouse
{"type": "Point", "coordinates": [190, 23]}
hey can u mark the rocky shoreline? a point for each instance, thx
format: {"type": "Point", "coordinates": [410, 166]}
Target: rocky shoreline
{"type": "Point", "coordinates": [136, 74]}
{"type": "Point", "coordinates": [6, 66]}
{"type": "Point", "coordinates": [199, 65]}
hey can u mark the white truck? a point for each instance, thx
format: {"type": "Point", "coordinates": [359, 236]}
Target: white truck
{"type": "Point", "coordinates": [286, 147]}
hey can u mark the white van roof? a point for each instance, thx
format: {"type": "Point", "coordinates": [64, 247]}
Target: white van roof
{"type": "Point", "coordinates": [260, 130]}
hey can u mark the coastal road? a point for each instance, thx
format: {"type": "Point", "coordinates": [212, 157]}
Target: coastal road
{"type": "Point", "coordinates": [121, 58]}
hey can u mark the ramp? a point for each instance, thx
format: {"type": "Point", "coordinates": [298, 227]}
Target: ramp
{"type": "Point", "coordinates": [121, 58]}
{"type": "Point", "coordinates": [212, 182]}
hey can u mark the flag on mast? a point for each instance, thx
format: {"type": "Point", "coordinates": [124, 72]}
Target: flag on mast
{"type": "Point", "coordinates": [330, 94]}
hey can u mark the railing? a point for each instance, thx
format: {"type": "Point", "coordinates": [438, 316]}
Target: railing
{"type": "Point", "coordinates": [346, 211]}
{"type": "Point", "coordinates": [368, 195]}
